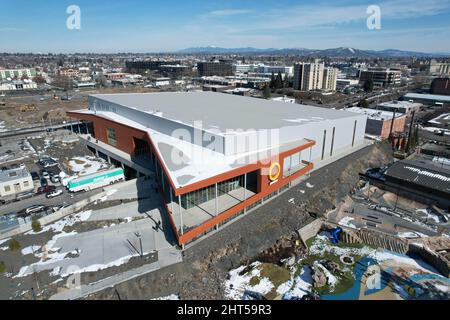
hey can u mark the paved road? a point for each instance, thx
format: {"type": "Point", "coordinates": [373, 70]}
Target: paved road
{"type": "Point", "coordinates": [41, 199]}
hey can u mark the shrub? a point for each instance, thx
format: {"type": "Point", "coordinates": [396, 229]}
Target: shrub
{"type": "Point", "coordinates": [14, 245]}
{"type": "Point", "coordinates": [36, 225]}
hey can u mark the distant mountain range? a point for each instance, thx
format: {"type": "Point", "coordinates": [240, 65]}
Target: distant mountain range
{"type": "Point", "coordinates": [343, 52]}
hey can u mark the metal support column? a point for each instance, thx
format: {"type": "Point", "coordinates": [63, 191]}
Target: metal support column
{"type": "Point", "coordinates": [245, 191]}
{"type": "Point", "coordinates": [162, 179]}
{"type": "Point", "coordinates": [216, 204]}
{"type": "Point", "coordinates": [181, 217]}
{"type": "Point", "coordinates": [171, 200]}
{"type": "Point", "coordinates": [310, 156]}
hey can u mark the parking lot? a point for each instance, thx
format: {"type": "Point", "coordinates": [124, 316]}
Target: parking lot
{"type": "Point", "coordinates": [49, 158]}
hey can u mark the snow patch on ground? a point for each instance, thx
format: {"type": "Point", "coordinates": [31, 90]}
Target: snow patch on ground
{"type": "Point", "coordinates": [55, 272]}
{"type": "Point", "coordinates": [323, 245]}
{"type": "Point", "coordinates": [68, 221]}
{"type": "Point", "coordinates": [237, 284]}
{"type": "Point", "coordinates": [429, 214]}
{"type": "Point", "coordinates": [87, 165]}
{"type": "Point", "coordinates": [442, 288]}
{"type": "Point", "coordinates": [300, 286]}
{"type": "Point", "coordinates": [331, 279]}
{"type": "Point", "coordinates": [347, 222]}
{"type": "Point", "coordinates": [169, 297]}
{"type": "Point", "coordinates": [4, 240]}
{"type": "Point", "coordinates": [411, 235]}
{"type": "Point", "coordinates": [3, 127]}
{"type": "Point", "coordinates": [30, 250]}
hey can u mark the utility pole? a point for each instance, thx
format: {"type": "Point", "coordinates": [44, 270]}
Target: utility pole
{"type": "Point", "coordinates": [139, 236]}
{"type": "Point", "coordinates": [408, 144]}
{"type": "Point", "coordinates": [392, 126]}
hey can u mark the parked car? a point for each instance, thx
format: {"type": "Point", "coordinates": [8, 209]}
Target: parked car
{"type": "Point", "coordinates": [54, 193]}
{"type": "Point", "coordinates": [34, 175]}
{"type": "Point", "coordinates": [55, 178]}
{"type": "Point", "coordinates": [45, 175]}
{"type": "Point", "coordinates": [64, 205]}
{"type": "Point", "coordinates": [35, 209]}
{"type": "Point", "coordinates": [24, 195]}
{"type": "Point", "coordinates": [46, 189]}
{"type": "Point", "coordinates": [44, 182]}
{"type": "Point", "coordinates": [46, 161]}
{"type": "Point", "coordinates": [50, 164]}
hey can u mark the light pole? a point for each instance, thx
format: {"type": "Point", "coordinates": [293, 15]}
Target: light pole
{"type": "Point", "coordinates": [138, 235]}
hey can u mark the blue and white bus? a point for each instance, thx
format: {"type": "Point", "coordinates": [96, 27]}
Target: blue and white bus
{"type": "Point", "coordinates": [96, 180]}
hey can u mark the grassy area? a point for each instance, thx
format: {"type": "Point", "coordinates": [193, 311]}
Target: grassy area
{"type": "Point", "coordinates": [254, 281]}
{"type": "Point", "coordinates": [277, 275]}
{"type": "Point", "coordinates": [2, 267]}
{"type": "Point", "coordinates": [346, 278]}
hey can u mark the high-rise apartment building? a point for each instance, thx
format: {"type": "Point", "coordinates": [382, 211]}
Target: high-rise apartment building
{"type": "Point", "coordinates": [314, 76]}
{"type": "Point", "coordinates": [329, 79]}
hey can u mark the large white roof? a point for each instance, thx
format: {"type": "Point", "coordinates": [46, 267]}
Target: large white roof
{"type": "Point", "coordinates": [222, 111]}
{"type": "Point", "coordinates": [188, 163]}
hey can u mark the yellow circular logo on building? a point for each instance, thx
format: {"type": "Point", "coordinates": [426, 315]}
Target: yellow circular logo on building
{"type": "Point", "coordinates": [274, 171]}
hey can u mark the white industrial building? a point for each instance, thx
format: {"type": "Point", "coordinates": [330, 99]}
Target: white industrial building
{"type": "Point", "coordinates": [217, 155]}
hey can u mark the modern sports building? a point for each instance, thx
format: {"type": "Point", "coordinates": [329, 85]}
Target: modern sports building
{"type": "Point", "coordinates": [215, 155]}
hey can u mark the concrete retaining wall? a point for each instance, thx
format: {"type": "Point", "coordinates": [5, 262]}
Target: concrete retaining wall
{"type": "Point", "coordinates": [432, 258]}
{"type": "Point", "coordinates": [373, 238]}
{"type": "Point", "coordinates": [311, 229]}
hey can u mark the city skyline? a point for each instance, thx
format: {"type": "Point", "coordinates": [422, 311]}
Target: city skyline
{"type": "Point", "coordinates": [138, 26]}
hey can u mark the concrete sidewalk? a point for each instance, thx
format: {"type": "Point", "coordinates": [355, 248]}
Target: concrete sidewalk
{"type": "Point", "coordinates": [154, 239]}
{"type": "Point", "coordinates": [167, 257]}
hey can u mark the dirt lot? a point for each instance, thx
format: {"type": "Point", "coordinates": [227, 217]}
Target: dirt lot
{"type": "Point", "coordinates": [24, 111]}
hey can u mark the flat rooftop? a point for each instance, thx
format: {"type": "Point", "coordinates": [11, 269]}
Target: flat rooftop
{"type": "Point", "coordinates": [375, 114]}
{"type": "Point", "coordinates": [14, 174]}
{"type": "Point", "coordinates": [223, 111]}
{"type": "Point", "coordinates": [426, 96]}
{"type": "Point", "coordinates": [401, 104]}
{"type": "Point", "coordinates": [421, 172]}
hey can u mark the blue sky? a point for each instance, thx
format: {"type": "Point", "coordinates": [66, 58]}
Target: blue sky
{"type": "Point", "coordinates": [155, 26]}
